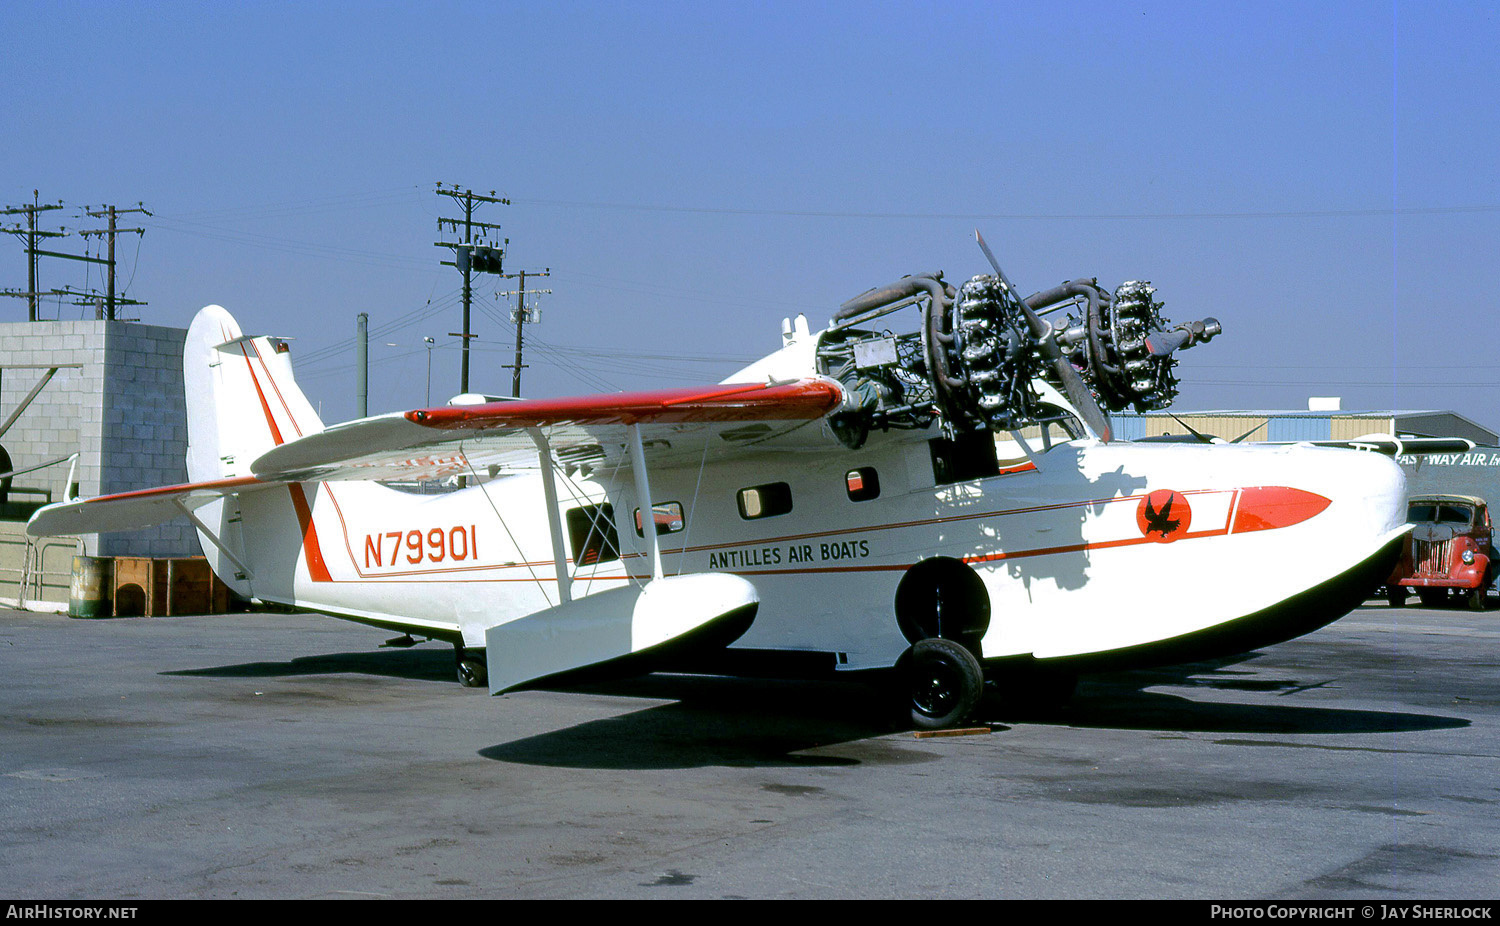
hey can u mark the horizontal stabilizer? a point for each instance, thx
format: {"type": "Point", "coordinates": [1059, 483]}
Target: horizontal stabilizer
{"type": "Point", "coordinates": [626, 629]}
{"type": "Point", "coordinates": [131, 510]}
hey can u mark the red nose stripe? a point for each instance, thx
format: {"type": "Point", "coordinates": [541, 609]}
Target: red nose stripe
{"type": "Point", "coordinates": [1263, 508]}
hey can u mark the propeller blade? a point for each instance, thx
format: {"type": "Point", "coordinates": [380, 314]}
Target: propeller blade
{"type": "Point", "coordinates": [1074, 387]}
{"type": "Point", "coordinates": [989, 255]}
{"type": "Point", "coordinates": [1247, 433]}
{"type": "Point", "coordinates": [1202, 438]}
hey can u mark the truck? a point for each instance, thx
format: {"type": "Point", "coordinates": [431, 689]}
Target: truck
{"type": "Point", "coordinates": [1448, 551]}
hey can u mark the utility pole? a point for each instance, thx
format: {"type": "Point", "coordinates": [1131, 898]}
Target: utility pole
{"type": "Point", "coordinates": [31, 234]}
{"type": "Point", "coordinates": [362, 364]}
{"type": "Point", "coordinates": [470, 256]}
{"type": "Point", "coordinates": [111, 232]}
{"type": "Point", "coordinates": [104, 308]}
{"type": "Point", "coordinates": [520, 318]}
{"type": "Point", "coordinates": [429, 342]}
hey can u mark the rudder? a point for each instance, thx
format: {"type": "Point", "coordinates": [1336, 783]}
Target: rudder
{"type": "Point", "coordinates": [242, 399]}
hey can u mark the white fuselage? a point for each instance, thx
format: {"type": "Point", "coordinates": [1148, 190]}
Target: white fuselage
{"type": "Point", "coordinates": [1067, 565]}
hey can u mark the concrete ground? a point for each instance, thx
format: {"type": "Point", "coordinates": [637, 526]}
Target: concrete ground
{"type": "Point", "coordinates": [260, 756]}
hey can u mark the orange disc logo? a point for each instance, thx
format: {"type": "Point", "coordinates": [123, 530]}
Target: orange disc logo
{"type": "Point", "coordinates": [1164, 516]}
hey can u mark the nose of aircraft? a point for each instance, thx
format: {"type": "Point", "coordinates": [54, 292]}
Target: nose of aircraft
{"type": "Point", "coordinates": [1366, 491]}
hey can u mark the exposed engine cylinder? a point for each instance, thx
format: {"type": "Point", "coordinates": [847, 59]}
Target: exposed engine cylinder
{"type": "Point", "coordinates": [989, 359]}
{"type": "Point", "coordinates": [975, 359]}
{"type": "Point", "coordinates": [1123, 348]}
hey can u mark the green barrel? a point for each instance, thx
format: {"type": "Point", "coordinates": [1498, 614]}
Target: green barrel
{"type": "Point", "coordinates": [88, 593]}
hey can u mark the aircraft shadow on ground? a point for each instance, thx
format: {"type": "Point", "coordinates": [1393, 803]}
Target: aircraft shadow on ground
{"type": "Point", "coordinates": [715, 721]}
{"type": "Point", "coordinates": [739, 722]}
{"type": "Point", "coordinates": [730, 722]}
{"type": "Point", "coordinates": [1121, 701]}
{"type": "Point", "coordinates": [415, 664]}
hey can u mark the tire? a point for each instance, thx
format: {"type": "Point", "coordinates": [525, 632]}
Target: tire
{"type": "Point", "coordinates": [1476, 598]}
{"type": "Point", "coordinates": [472, 671]}
{"type": "Point", "coordinates": [944, 683]}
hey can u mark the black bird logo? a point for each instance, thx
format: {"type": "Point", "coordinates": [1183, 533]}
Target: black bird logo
{"type": "Point", "coordinates": [1157, 521]}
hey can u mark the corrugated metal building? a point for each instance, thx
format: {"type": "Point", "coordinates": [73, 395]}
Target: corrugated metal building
{"type": "Point", "coordinates": [1282, 425]}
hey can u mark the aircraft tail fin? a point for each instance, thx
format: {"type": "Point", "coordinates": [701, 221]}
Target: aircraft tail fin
{"type": "Point", "coordinates": [241, 397]}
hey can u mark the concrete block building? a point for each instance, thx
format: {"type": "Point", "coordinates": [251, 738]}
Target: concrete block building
{"type": "Point", "coordinates": [110, 392]}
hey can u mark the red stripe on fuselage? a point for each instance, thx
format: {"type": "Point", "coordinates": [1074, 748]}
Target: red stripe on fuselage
{"type": "Point", "coordinates": [316, 567]}
{"type": "Point", "coordinates": [311, 551]}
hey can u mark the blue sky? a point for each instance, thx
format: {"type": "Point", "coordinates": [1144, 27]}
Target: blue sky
{"type": "Point", "coordinates": [1319, 176]}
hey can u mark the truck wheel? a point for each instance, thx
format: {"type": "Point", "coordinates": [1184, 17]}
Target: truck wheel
{"type": "Point", "coordinates": [945, 683]}
{"type": "Point", "coordinates": [1477, 598]}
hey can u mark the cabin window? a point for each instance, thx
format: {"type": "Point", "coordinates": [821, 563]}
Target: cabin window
{"type": "Point", "coordinates": [668, 517]}
{"type": "Point", "coordinates": [862, 484]}
{"type": "Point", "coordinates": [765, 501]}
{"type": "Point", "coordinates": [591, 529]}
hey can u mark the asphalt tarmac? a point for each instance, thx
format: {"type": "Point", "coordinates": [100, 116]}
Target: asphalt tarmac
{"type": "Point", "coordinates": [288, 756]}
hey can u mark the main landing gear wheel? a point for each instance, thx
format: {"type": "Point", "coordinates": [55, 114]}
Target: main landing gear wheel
{"type": "Point", "coordinates": [472, 672]}
{"type": "Point", "coordinates": [945, 683]}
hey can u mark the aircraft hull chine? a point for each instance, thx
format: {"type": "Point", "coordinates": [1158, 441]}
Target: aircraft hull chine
{"type": "Point", "coordinates": [1293, 617]}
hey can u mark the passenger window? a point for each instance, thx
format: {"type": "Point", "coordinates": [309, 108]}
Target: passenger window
{"type": "Point", "coordinates": [591, 529]}
{"type": "Point", "coordinates": [862, 484]}
{"type": "Point", "coordinates": [668, 517]}
{"type": "Point", "coordinates": [765, 501]}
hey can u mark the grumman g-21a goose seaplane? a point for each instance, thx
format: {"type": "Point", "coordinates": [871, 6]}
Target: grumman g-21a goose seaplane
{"type": "Point", "coordinates": [943, 499]}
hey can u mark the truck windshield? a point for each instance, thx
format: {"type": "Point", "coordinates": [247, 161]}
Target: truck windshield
{"type": "Point", "coordinates": [1430, 513]}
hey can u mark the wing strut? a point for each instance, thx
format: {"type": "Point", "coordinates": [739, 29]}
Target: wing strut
{"type": "Point", "coordinates": [554, 518]}
{"type": "Point", "coordinates": [245, 572]}
{"type": "Point", "coordinates": [643, 496]}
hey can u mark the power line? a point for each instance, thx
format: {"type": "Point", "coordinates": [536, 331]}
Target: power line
{"type": "Point", "coordinates": [1383, 212]}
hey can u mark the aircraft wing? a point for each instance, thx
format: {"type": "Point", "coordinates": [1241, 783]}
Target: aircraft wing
{"type": "Point", "coordinates": [431, 443]}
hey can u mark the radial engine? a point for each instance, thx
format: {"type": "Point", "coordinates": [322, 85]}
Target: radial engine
{"type": "Point", "coordinates": [979, 349]}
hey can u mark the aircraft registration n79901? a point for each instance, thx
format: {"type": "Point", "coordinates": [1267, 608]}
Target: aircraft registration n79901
{"type": "Point", "coordinates": [926, 492]}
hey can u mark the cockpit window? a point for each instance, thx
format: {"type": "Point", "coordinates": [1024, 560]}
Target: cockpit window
{"type": "Point", "coordinates": [1059, 425]}
{"type": "Point", "coordinates": [1054, 425]}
